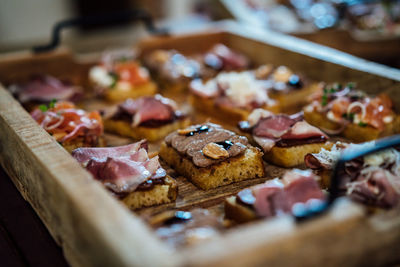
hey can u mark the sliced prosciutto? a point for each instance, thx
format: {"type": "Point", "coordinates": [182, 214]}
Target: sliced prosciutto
{"type": "Point", "coordinates": [45, 89]}
{"type": "Point", "coordinates": [121, 169]}
{"type": "Point", "coordinates": [269, 129]}
{"type": "Point", "coordinates": [277, 197]}
{"type": "Point", "coordinates": [373, 179]}
{"type": "Point", "coordinates": [84, 154]}
{"type": "Point", "coordinates": [149, 108]}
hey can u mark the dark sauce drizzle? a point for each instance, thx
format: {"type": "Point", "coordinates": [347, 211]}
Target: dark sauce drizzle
{"type": "Point", "coordinates": [203, 128]}
{"type": "Point", "coordinates": [225, 144]}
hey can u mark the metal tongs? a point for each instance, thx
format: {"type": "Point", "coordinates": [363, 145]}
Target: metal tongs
{"type": "Point", "coordinates": [347, 155]}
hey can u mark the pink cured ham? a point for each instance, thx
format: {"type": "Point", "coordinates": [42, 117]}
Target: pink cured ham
{"type": "Point", "coordinates": [303, 130]}
{"type": "Point", "coordinates": [120, 169]}
{"type": "Point", "coordinates": [381, 189]}
{"type": "Point", "coordinates": [148, 108]}
{"type": "Point", "coordinates": [276, 197]}
{"type": "Point", "coordinates": [84, 154]}
{"type": "Point", "coordinates": [45, 89]}
{"type": "Point", "coordinates": [272, 128]}
{"type": "Point", "coordinates": [270, 199]}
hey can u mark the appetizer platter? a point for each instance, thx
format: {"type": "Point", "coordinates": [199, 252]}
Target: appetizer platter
{"type": "Point", "coordinates": [203, 149]}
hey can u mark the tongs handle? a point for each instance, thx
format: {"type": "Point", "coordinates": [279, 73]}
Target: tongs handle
{"type": "Point", "coordinates": [115, 17]}
{"type": "Point", "coordinates": [348, 155]}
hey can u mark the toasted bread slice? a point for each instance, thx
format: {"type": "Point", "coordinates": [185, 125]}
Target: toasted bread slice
{"type": "Point", "coordinates": [119, 94]}
{"type": "Point", "coordinates": [294, 155]}
{"type": "Point", "coordinates": [228, 114]}
{"type": "Point", "coordinates": [152, 134]}
{"type": "Point", "coordinates": [159, 194]}
{"type": "Point", "coordinates": [353, 131]}
{"type": "Point", "coordinates": [238, 212]}
{"type": "Point", "coordinates": [243, 167]}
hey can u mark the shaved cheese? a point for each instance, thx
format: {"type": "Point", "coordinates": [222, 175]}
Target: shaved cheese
{"type": "Point", "coordinates": [100, 76]}
{"type": "Point", "coordinates": [243, 88]}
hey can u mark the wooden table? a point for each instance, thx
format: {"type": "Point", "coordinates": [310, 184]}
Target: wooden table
{"type": "Point", "coordinates": [24, 240]}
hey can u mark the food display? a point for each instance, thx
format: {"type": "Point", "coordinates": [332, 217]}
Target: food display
{"type": "Point", "coordinates": [150, 117]}
{"type": "Point", "coordinates": [206, 140]}
{"type": "Point", "coordinates": [345, 110]}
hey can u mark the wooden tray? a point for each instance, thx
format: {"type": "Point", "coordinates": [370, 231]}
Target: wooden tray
{"type": "Point", "coordinates": [94, 229]}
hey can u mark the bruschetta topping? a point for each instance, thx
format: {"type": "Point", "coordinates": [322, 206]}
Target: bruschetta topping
{"type": "Point", "coordinates": [279, 196]}
{"type": "Point", "coordinates": [147, 111]}
{"type": "Point", "coordinates": [372, 179]}
{"type": "Point", "coordinates": [281, 129]}
{"type": "Point", "coordinates": [345, 104]}
{"type": "Point", "coordinates": [209, 144]}
{"type": "Point", "coordinates": [65, 122]}
{"type": "Point", "coordinates": [121, 169]}
{"type": "Point", "coordinates": [43, 89]}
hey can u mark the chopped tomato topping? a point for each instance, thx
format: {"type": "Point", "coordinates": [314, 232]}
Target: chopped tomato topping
{"type": "Point", "coordinates": [65, 122]}
{"type": "Point", "coordinates": [131, 72]}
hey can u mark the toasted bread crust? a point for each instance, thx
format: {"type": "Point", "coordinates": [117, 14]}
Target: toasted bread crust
{"type": "Point", "coordinates": [227, 114]}
{"type": "Point", "coordinates": [237, 212]}
{"type": "Point", "coordinates": [353, 131]}
{"type": "Point", "coordinates": [246, 166]}
{"type": "Point", "coordinates": [293, 156]}
{"type": "Point", "coordinates": [119, 94]}
{"type": "Point", "coordinates": [140, 132]}
{"type": "Point", "coordinates": [159, 194]}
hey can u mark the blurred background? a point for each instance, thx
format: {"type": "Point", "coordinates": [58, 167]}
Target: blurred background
{"type": "Point", "coordinates": [368, 29]}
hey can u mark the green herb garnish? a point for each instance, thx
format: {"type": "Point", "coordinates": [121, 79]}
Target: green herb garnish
{"type": "Point", "coordinates": [350, 85]}
{"type": "Point", "coordinates": [52, 103]}
{"type": "Point", "coordinates": [324, 100]}
{"type": "Point", "coordinates": [115, 78]}
{"type": "Point", "coordinates": [362, 124]}
{"type": "Point", "coordinates": [43, 108]}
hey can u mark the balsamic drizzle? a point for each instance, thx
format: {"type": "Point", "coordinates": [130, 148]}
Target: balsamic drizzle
{"type": "Point", "coordinates": [225, 144]}
{"type": "Point", "coordinates": [203, 128]}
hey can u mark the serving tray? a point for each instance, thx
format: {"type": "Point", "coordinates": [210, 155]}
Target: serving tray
{"type": "Point", "coordinates": [94, 229]}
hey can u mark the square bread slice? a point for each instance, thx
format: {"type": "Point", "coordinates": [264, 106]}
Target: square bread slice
{"type": "Point", "coordinates": [152, 134]}
{"type": "Point", "coordinates": [294, 155]}
{"type": "Point", "coordinates": [159, 194]}
{"type": "Point", "coordinates": [118, 94]}
{"type": "Point", "coordinates": [237, 212]}
{"type": "Point", "coordinates": [245, 166]}
{"type": "Point", "coordinates": [352, 131]}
